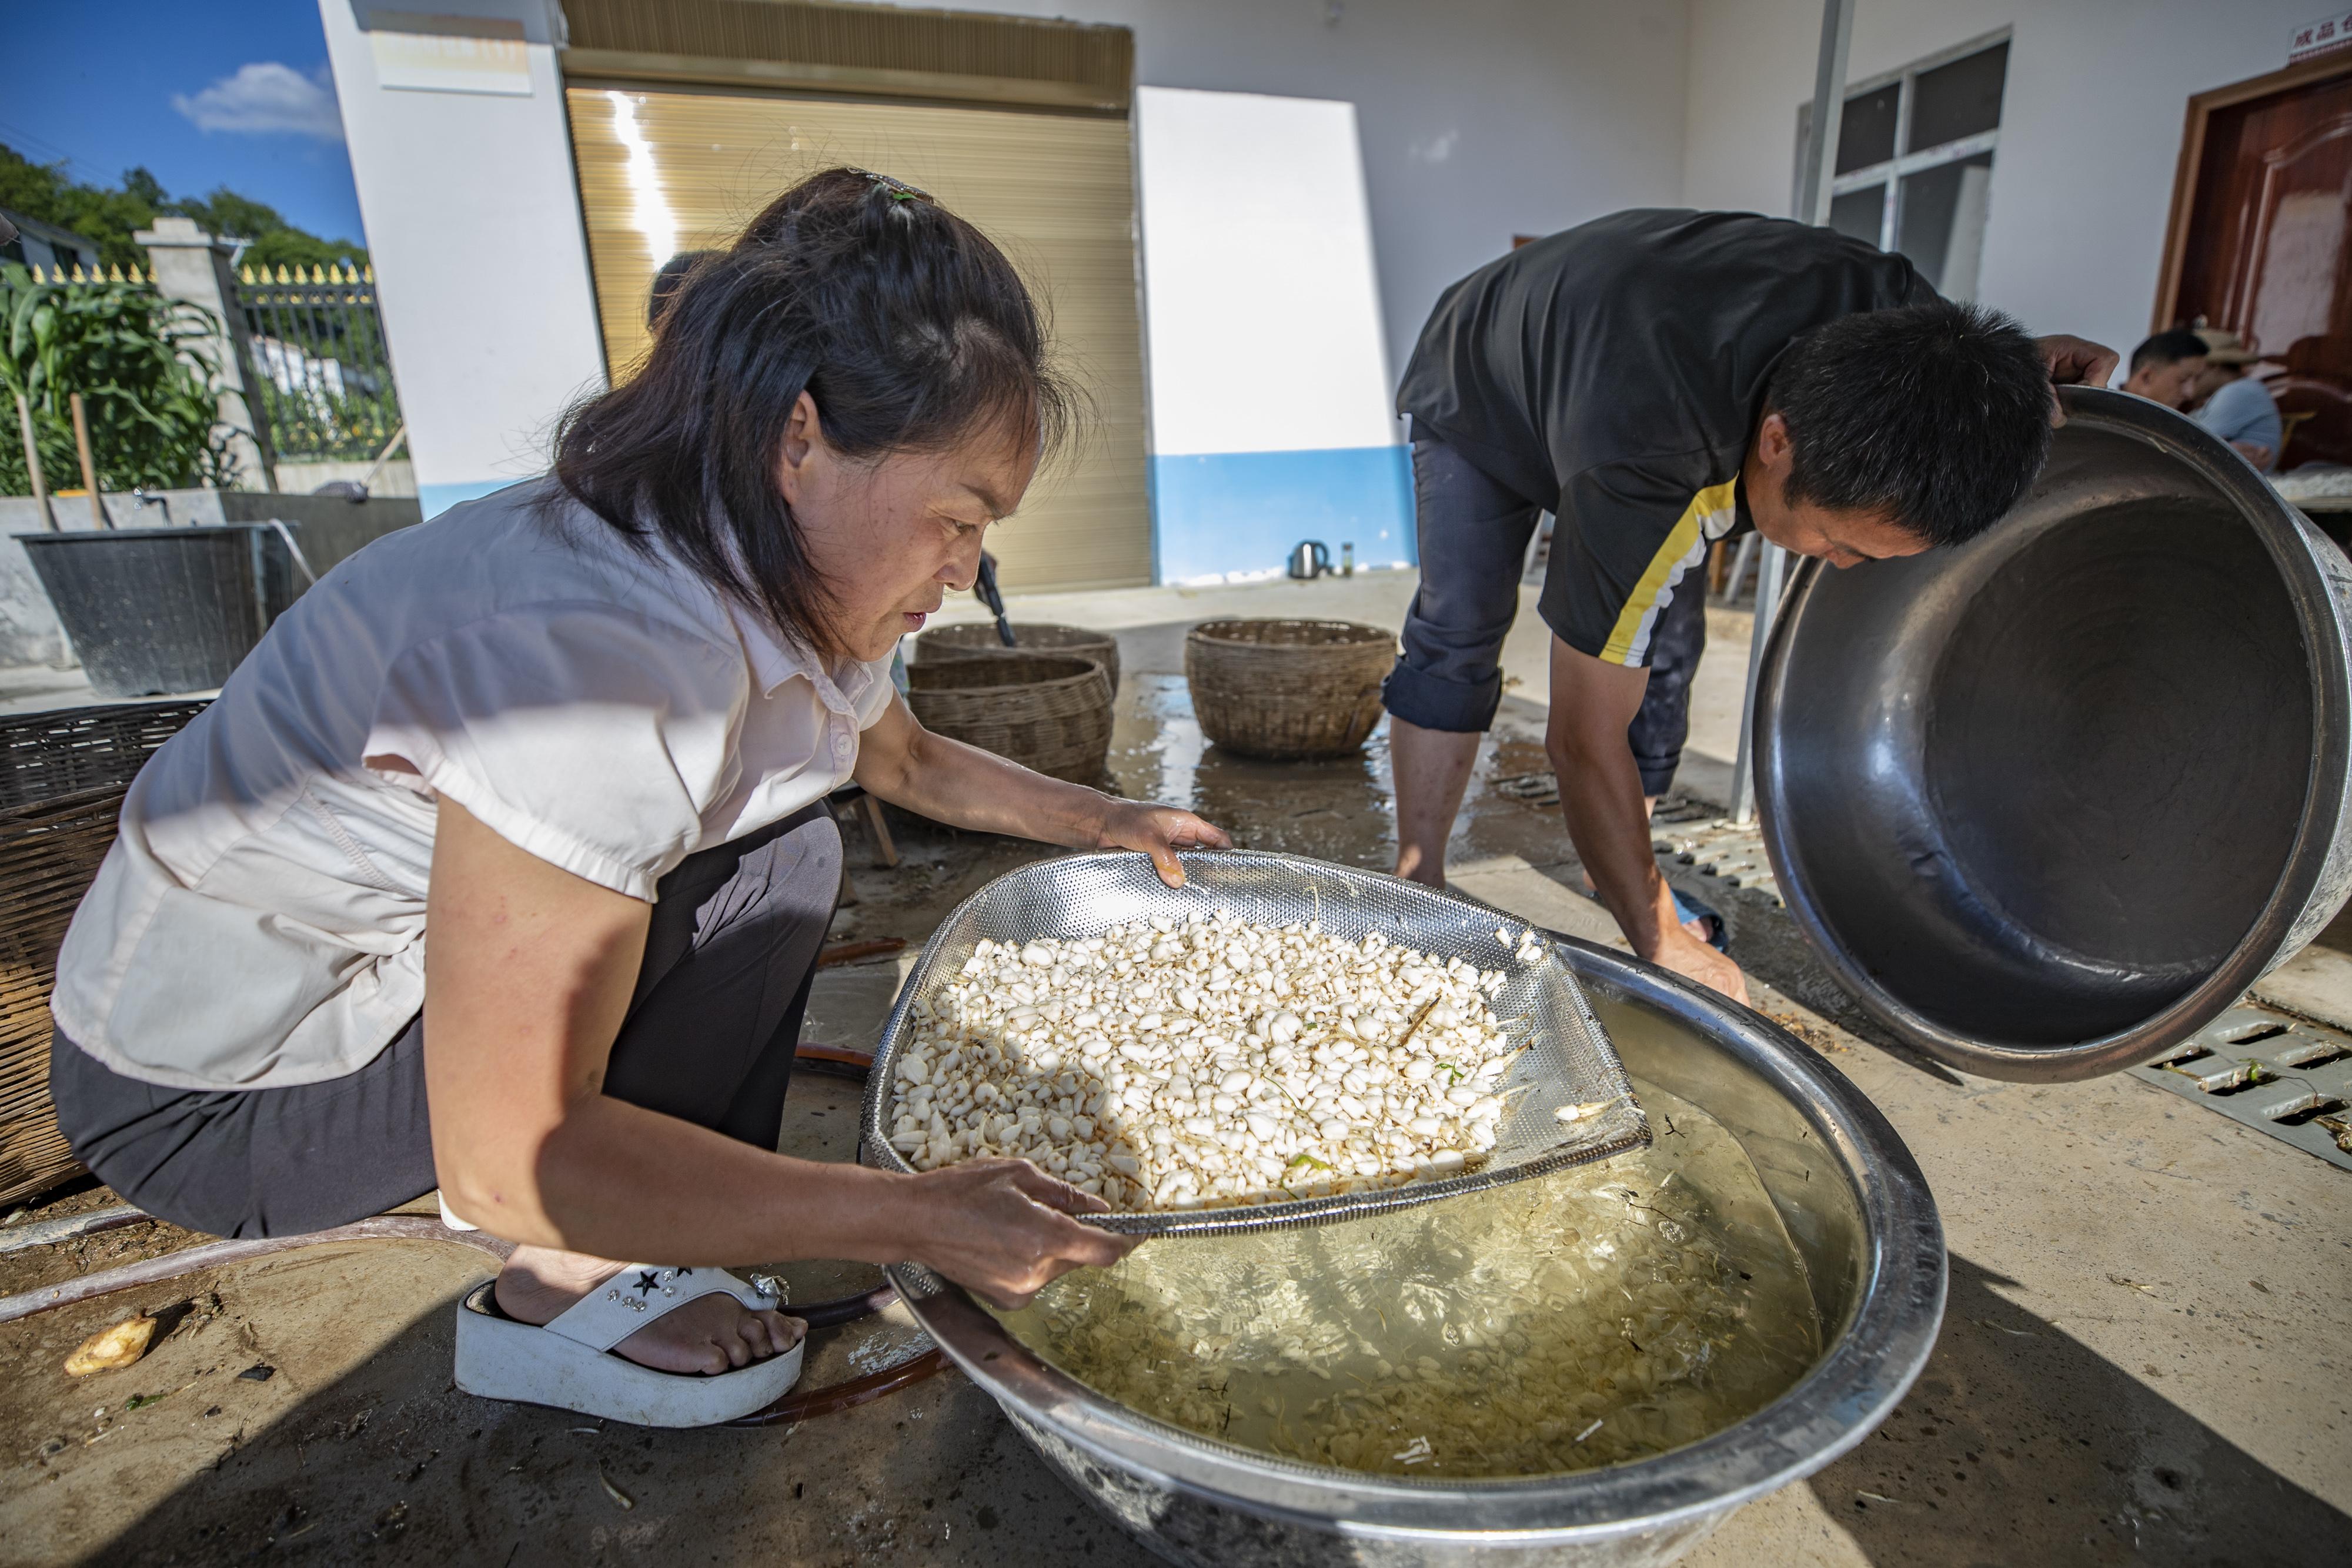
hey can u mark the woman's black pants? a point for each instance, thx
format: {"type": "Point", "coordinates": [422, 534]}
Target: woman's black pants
{"type": "Point", "coordinates": [709, 1039]}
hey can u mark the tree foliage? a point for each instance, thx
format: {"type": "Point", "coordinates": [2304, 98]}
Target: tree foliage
{"type": "Point", "coordinates": [111, 214]}
{"type": "Point", "coordinates": [140, 363]}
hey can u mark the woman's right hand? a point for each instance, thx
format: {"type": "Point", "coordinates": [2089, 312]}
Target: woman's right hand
{"type": "Point", "coordinates": [1002, 1228]}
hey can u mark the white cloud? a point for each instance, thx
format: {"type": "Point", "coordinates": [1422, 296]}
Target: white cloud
{"type": "Point", "coordinates": [265, 98]}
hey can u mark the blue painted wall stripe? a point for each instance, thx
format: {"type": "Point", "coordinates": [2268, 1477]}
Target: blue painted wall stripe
{"type": "Point", "coordinates": [1243, 511]}
{"type": "Point", "coordinates": [435, 499]}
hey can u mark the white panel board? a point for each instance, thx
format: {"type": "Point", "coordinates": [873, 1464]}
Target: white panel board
{"type": "Point", "coordinates": [474, 228]}
{"type": "Point", "coordinates": [1262, 304]}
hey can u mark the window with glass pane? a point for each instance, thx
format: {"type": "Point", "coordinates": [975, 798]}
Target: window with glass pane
{"type": "Point", "coordinates": [1858, 214]}
{"type": "Point", "coordinates": [1962, 98]}
{"type": "Point", "coordinates": [1915, 162]}
{"type": "Point", "coordinates": [1866, 130]}
{"type": "Point", "coordinates": [1942, 211]}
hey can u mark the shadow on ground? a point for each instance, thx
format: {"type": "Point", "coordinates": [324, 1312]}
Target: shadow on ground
{"type": "Point", "coordinates": [302, 1407]}
{"type": "Point", "coordinates": [2021, 1445]}
{"type": "Point", "coordinates": [391, 1464]}
{"type": "Point", "coordinates": [1992, 1459]}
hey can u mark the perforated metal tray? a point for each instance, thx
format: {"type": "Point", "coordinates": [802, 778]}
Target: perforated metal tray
{"type": "Point", "coordinates": [1570, 1061]}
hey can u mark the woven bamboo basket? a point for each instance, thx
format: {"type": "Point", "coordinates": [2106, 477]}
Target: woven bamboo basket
{"type": "Point", "coordinates": [46, 755]}
{"type": "Point", "coordinates": [977, 640]}
{"type": "Point", "coordinates": [1288, 690]}
{"type": "Point", "coordinates": [1047, 711]}
{"type": "Point", "coordinates": [62, 779]}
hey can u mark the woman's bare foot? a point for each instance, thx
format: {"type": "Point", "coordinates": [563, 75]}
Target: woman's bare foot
{"type": "Point", "coordinates": [712, 1334]}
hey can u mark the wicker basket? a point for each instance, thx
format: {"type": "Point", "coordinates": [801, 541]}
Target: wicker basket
{"type": "Point", "coordinates": [977, 640]}
{"type": "Point", "coordinates": [1287, 690]}
{"type": "Point", "coordinates": [46, 755]}
{"type": "Point", "coordinates": [62, 778]}
{"type": "Point", "coordinates": [1047, 711]}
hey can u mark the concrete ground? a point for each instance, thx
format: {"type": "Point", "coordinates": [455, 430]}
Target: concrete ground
{"type": "Point", "coordinates": [2143, 1359]}
{"type": "Point", "coordinates": [32, 688]}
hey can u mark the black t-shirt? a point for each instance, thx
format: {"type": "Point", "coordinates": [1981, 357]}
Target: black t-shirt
{"type": "Point", "coordinates": [1614, 374]}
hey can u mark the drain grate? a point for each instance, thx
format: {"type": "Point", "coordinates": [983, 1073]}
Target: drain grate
{"type": "Point", "coordinates": [2277, 1075]}
{"type": "Point", "coordinates": [1685, 829]}
{"type": "Point", "coordinates": [1721, 848]}
{"type": "Point", "coordinates": [1540, 789]}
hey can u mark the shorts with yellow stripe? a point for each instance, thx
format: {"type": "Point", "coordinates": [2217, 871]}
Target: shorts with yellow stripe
{"type": "Point", "coordinates": [1474, 534]}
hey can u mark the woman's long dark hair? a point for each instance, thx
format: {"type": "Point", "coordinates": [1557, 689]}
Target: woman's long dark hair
{"type": "Point", "coordinates": [907, 326]}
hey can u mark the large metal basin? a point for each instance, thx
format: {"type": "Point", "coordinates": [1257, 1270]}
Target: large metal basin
{"type": "Point", "coordinates": [2049, 802]}
{"type": "Point", "coordinates": [1853, 1198]}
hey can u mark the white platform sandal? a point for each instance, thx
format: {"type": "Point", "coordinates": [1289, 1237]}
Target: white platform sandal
{"type": "Point", "coordinates": [568, 1364]}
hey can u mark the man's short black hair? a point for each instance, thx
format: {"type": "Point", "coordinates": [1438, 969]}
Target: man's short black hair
{"type": "Point", "coordinates": [2168, 348]}
{"type": "Point", "coordinates": [1934, 415]}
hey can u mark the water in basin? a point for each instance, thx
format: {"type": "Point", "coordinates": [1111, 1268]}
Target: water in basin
{"type": "Point", "coordinates": [1602, 1315]}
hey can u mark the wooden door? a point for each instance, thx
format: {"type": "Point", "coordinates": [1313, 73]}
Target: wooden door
{"type": "Point", "coordinates": [2261, 241]}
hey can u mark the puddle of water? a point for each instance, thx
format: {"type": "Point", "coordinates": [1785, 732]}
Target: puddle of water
{"type": "Point", "coordinates": [1340, 810]}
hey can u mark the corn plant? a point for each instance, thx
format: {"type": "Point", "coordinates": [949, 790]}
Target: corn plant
{"type": "Point", "coordinates": [146, 368]}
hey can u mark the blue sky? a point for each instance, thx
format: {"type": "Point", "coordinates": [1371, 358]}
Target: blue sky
{"type": "Point", "coordinates": [204, 92]}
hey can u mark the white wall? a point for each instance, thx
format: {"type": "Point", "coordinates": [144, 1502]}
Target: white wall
{"type": "Point", "coordinates": [1479, 118]}
{"type": "Point", "coordinates": [473, 227]}
{"type": "Point", "coordinates": [2090, 126]}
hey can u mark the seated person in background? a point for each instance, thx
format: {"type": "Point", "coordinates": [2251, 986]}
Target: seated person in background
{"type": "Point", "coordinates": [2164, 367]}
{"type": "Point", "coordinates": [2235, 406]}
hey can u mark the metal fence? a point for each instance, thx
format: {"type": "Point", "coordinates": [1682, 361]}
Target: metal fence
{"type": "Point", "coordinates": [323, 378]}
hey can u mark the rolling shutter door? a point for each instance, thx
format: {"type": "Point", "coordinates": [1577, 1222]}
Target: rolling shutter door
{"type": "Point", "coordinates": [684, 168]}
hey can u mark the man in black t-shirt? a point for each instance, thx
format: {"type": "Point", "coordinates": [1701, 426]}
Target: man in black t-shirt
{"type": "Point", "coordinates": [1659, 379]}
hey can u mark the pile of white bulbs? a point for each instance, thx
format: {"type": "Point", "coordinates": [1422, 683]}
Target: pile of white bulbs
{"type": "Point", "coordinates": [1208, 1063]}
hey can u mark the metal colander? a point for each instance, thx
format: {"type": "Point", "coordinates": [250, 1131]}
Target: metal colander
{"type": "Point", "coordinates": [1570, 1062]}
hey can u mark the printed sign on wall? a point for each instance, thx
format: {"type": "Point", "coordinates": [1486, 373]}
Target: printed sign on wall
{"type": "Point", "coordinates": [2319, 37]}
{"type": "Point", "coordinates": [418, 52]}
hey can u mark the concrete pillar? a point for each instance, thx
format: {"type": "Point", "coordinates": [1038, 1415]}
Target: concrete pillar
{"type": "Point", "coordinates": [486, 357]}
{"type": "Point", "coordinates": [191, 264]}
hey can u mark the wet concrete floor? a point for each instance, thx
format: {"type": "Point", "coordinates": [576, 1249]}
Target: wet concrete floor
{"type": "Point", "coordinates": [2143, 1360]}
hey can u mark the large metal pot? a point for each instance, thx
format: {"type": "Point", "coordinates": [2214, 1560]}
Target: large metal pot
{"type": "Point", "coordinates": [1854, 1201]}
{"type": "Point", "coordinates": [2048, 803]}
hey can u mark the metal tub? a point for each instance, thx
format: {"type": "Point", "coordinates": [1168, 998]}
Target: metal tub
{"type": "Point", "coordinates": [2049, 802]}
{"type": "Point", "coordinates": [1852, 1197]}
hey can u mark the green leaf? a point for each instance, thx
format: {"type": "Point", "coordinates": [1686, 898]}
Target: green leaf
{"type": "Point", "coordinates": [152, 403]}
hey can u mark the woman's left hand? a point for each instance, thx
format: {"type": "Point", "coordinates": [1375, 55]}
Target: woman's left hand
{"type": "Point", "coordinates": [950, 781]}
{"type": "Point", "coordinates": [1159, 831]}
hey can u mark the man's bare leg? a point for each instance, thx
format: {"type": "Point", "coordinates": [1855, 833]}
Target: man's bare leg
{"type": "Point", "coordinates": [1432, 769]}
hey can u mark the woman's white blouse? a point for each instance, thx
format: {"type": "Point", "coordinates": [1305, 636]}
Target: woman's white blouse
{"type": "Point", "coordinates": [261, 921]}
